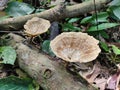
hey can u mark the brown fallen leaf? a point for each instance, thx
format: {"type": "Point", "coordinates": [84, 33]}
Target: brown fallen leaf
{"type": "Point", "coordinates": [113, 81]}
{"type": "Point", "coordinates": [92, 76]}
{"type": "Point", "coordinates": [98, 76]}
{"type": "Point", "coordinates": [100, 83]}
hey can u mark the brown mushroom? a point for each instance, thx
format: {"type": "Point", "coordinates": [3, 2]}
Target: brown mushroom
{"type": "Point", "coordinates": [75, 47]}
{"type": "Point", "coordinates": [36, 26]}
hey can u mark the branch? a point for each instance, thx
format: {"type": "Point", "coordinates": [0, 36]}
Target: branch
{"type": "Point", "coordinates": [56, 13]}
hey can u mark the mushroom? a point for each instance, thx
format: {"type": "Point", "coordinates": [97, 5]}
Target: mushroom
{"type": "Point", "coordinates": [36, 26]}
{"type": "Point", "coordinates": [75, 47]}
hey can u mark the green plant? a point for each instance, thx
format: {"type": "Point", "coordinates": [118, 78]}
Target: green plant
{"type": "Point", "coordinates": [101, 17]}
{"type": "Point", "coordinates": [98, 26]}
{"type": "Point", "coordinates": [112, 52]}
{"type": "Point", "coordinates": [44, 2]}
{"type": "Point", "coordinates": [69, 26]}
{"type": "Point", "coordinates": [114, 9]}
{"type": "Point", "coordinates": [15, 8]}
{"type": "Point", "coordinates": [7, 55]}
{"type": "Point", "coordinates": [15, 83]}
{"type": "Point", "coordinates": [46, 47]}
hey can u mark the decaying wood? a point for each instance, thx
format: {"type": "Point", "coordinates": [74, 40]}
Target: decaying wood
{"type": "Point", "coordinates": [56, 13]}
{"type": "Point", "coordinates": [51, 75]}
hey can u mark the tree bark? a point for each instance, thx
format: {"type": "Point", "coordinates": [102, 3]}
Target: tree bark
{"type": "Point", "coordinates": [50, 74]}
{"type": "Point", "coordinates": [56, 13]}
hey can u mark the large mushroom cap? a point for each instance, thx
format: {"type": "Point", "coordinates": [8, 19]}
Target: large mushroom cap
{"type": "Point", "coordinates": [75, 47]}
{"type": "Point", "coordinates": [36, 26]}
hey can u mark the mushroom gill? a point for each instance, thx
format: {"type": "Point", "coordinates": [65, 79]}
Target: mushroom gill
{"type": "Point", "coordinates": [75, 47]}
{"type": "Point", "coordinates": [36, 26]}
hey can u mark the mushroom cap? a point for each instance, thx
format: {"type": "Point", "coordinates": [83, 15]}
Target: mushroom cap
{"type": "Point", "coordinates": [36, 26]}
{"type": "Point", "coordinates": [75, 47]}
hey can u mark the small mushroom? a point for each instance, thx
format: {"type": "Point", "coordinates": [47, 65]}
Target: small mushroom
{"type": "Point", "coordinates": [75, 47]}
{"type": "Point", "coordinates": [36, 26]}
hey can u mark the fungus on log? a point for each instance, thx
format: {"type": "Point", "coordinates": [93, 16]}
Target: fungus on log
{"type": "Point", "coordinates": [75, 47]}
{"type": "Point", "coordinates": [36, 26]}
{"type": "Point", "coordinates": [50, 74]}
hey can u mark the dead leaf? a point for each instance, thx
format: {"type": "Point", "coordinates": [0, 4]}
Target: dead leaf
{"type": "Point", "coordinates": [113, 81]}
{"type": "Point", "coordinates": [100, 83]}
{"type": "Point", "coordinates": [97, 76]}
{"type": "Point", "coordinates": [95, 72]}
{"type": "Point", "coordinates": [3, 4]}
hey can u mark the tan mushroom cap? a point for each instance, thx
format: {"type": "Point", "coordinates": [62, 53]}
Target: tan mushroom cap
{"type": "Point", "coordinates": [75, 47]}
{"type": "Point", "coordinates": [36, 26]}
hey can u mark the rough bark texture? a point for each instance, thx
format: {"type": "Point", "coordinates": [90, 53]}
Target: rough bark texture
{"type": "Point", "coordinates": [51, 75]}
{"type": "Point", "coordinates": [56, 13]}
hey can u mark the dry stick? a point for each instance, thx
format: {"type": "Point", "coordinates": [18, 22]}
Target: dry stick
{"type": "Point", "coordinates": [56, 13]}
{"type": "Point", "coordinates": [51, 75]}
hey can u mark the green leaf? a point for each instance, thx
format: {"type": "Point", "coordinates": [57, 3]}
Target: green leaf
{"type": "Point", "coordinates": [8, 55]}
{"type": "Point", "coordinates": [14, 83]}
{"type": "Point", "coordinates": [16, 8]}
{"type": "Point", "coordinates": [46, 48]}
{"type": "Point", "coordinates": [69, 27]}
{"type": "Point", "coordinates": [20, 0]}
{"type": "Point", "coordinates": [102, 26]}
{"type": "Point", "coordinates": [116, 50]}
{"type": "Point", "coordinates": [104, 46]}
{"type": "Point", "coordinates": [94, 33]}
{"type": "Point", "coordinates": [72, 20]}
{"type": "Point", "coordinates": [16, 0]}
{"type": "Point", "coordinates": [116, 11]}
{"type": "Point", "coordinates": [86, 20]}
{"type": "Point", "coordinates": [104, 34]}
{"type": "Point", "coordinates": [101, 17]}
{"type": "Point", "coordinates": [115, 3]}
{"type": "Point", "coordinates": [39, 10]}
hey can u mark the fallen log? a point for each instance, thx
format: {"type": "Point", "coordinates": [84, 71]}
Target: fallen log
{"type": "Point", "coordinates": [56, 13]}
{"type": "Point", "coordinates": [50, 74]}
